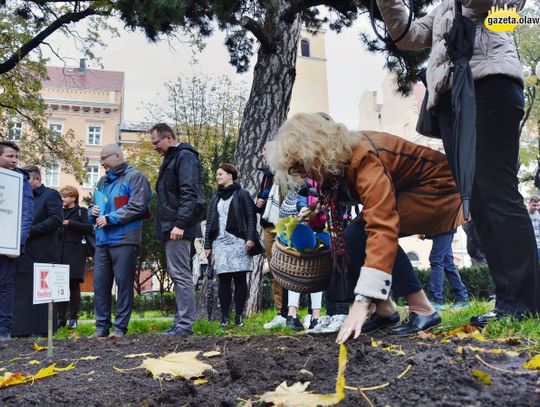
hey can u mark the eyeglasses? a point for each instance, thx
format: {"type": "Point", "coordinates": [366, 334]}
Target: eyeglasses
{"type": "Point", "coordinates": [155, 143]}
{"type": "Point", "coordinates": [102, 159]}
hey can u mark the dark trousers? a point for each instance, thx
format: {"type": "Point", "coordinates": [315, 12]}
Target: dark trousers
{"type": "Point", "coordinates": [441, 260]}
{"type": "Point", "coordinates": [7, 293]}
{"type": "Point", "coordinates": [404, 280]}
{"type": "Point", "coordinates": [225, 292]}
{"type": "Point", "coordinates": [74, 301]}
{"type": "Point", "coordinates": [118, 263]}
{"type": "Point", "coordinates": [497, 207]}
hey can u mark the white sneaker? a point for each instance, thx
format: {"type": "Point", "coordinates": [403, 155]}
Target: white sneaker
{"type": "Point", "coordinates": [277, 321]}
{"type": "Point", "coordinates": [335, 323]}
{"type": "Point", "coordinates": [321, 324]}
{"type": "Point", "coordinates": [307, 321]}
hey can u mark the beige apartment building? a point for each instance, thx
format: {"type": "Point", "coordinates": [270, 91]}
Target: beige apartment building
{"type": "Point", "coordinates": [89, 102]}
{"type": "Point", "coordinates": [386, 110]}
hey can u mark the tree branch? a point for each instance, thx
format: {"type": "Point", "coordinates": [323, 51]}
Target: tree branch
{"type": "Point", "coordinates": [297, 6]}
{"type": "Point", "coordinates": [25, 49]}
{"type": "Point", "coordinates": [258, 31]}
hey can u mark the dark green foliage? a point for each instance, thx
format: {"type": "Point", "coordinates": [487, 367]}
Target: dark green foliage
{"type": "Point", "coordinates": [164, 302]}
{"type": "Point", "coordinates": [406, 64]}
{"type": "Point", "coordinates": [477, 280]}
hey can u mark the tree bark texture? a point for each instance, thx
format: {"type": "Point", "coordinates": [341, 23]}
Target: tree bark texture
{"type": "Point", "coordinates": [265, 111]}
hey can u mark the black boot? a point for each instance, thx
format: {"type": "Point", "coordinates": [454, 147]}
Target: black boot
{"type": "Point", "coordinates": [239, 321]}
{"type": "Point", "coordinates": [60, 322]}
{"type": "Point", "coordinates": [224, 321]}
{"type": "Point", "coordinates": [72, 324]}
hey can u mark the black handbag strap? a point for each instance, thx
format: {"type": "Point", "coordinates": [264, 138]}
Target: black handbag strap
{"type": "Point", "coordinates": [388, 40]}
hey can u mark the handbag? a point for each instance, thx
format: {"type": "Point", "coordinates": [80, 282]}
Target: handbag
{"type": "Point", "coordinates": [89, 242]}
{"type": "Point", "coordinates": [428, 123]}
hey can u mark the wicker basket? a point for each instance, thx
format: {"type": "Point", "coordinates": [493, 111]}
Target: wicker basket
{"type": "Point", "coordinates": [301, 272]}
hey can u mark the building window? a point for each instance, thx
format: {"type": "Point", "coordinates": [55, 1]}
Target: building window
{"type": "Point", "coordinates": [52, 172]}
{"type": "Point", "coordinates": [414, 258]}
{"type": "Point", "coordinates": [304, 47]}
{"type": "Point", "coordinates": [56, 128]}
{"type": "Point", "coordinates": [92, 176]}
{"type": "Point", "coordinates": [94, 135]}
{"type": "Point", "coordinates": [14, 132]}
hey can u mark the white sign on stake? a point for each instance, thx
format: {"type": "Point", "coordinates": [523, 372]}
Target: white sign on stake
{"type": "Point", "coordinates": [51, 283]}
{"type": "Point", "coordinates": [11, 196]}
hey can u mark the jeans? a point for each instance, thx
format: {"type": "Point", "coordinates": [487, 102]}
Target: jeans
{"type": "Point", "coordinates": [497, 207]}
{"type": "Point", "coordinates": [7, 293]}
{"type": "Point", "coordinates": [441, 260]}
{"type": "Point", "coordinates": [404, 279]}
{"type": "Point", "coordinates": [118, 263]}
{"type": "Point", "coordinates": [178, 254]}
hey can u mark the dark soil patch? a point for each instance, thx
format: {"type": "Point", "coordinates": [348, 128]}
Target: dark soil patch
{"type": "Point", "coordinates": [251, 366]}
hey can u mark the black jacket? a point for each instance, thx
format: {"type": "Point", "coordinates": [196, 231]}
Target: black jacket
{"type": "Point", "coordinates": [42, 243]}
{"type": "Point", "coordinates": [180, 192]}
{"type": "Point", "coordinates": [264, 189]}
{"type": "Point", "coordinates": [241, 220]}
{"type": "Point", "coordinates": [72, 250]}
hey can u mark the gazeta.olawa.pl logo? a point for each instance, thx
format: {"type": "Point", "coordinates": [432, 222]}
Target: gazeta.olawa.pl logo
{"type": "Point", "coordinates": [507, 19]}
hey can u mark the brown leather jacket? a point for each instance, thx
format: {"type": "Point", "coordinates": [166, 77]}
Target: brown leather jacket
{"type": "Point", "coordinates": [405, 189]}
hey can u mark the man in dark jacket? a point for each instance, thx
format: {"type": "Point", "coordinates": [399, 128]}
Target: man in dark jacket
{"type": "Point", "coordinates": [181, 203]}
{"type": "Point", "coordinates": [118, 220]}
{"type": "Point", "coordinates": [41, 247]}
{"type": "Point", "coordinates": [8, 160]}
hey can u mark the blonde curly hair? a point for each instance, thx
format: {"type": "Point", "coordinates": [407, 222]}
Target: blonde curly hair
{"type": "Point", "coordinates": [314, 141]}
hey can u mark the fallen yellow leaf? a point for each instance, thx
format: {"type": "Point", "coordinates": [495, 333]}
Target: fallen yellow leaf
{"type": "Point", "coordinates": [533, 363]}
{"type": "Point", "coordinates": [211, 354]}
{"type": "Point", "coordinates": [34, 362]}
{"type": "Point", "coordinates": [482, 376]}
{"type": "Point", "coordinates": [200, 381]}
{"type": "Point", "coordinates": [394, 349]}
{"type": "Point", "coordinates": [374, 343]}
{"type": "Point", "coordinates": [89, 358]}
{"type": "Point", "coordinates": [138, 355]}
{"type": "Point", "coordinates": [64, 369]}
{"type": "Point", "coordinates": [38, 347]}
{"type": "Point", "coordinates": [182, 364]}
{"type": "Point", "coordinates": [296, 395]}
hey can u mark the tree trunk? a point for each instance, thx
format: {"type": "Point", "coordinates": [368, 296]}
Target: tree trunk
{"type": "Point", "coordinates": [265, 111]}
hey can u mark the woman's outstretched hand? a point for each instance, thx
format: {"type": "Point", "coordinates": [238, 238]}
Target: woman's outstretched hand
{"type": "Point", "coordinates": [353, 323]}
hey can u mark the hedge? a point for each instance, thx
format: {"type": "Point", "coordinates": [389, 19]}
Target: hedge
{"type": "Point", "coordinates": [477, 280]}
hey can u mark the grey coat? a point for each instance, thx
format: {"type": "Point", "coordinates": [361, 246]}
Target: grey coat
{"type": "Point", "coordinates": [494, 52]}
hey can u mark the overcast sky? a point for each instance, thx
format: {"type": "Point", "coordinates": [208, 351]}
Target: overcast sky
{"type": "Point", "coordinates": [351, 70]}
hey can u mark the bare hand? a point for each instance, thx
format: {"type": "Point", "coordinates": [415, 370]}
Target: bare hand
{"type": "Point", "coordinates": [66, 222]}
{"type": "Point", "coordinates": [250, 244]}
{"type": "Point", "coordinates": [101, 222]}
{"type": "Point", "coordinates": [304, 213]}
{"type": "Point", "coordinates": [353, 323]}
{"type": "Point", "coordinates": [95, 210]}
{"type": "Point", "coordinates": [208, 253]}
{"type": "Point", "coordinates": [260, 203]}
{"type": "Point", "coordinates": [176, 233]}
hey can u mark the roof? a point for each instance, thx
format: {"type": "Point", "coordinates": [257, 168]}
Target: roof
{"type": "Point", "coordinates": [73, 78]}
{"type": "Point", "coordinates": [136, 127]}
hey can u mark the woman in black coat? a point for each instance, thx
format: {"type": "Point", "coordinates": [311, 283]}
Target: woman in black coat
{"type": "Point", "coordinates": [232, 240]}
{"type": "Point", "coordinates": [72, 243]}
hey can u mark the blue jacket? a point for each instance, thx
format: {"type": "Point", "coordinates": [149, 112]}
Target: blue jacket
{"type": "Point", "coordinates": [27, 207]}
{"type": "Point", "coordinates": [128, 194]}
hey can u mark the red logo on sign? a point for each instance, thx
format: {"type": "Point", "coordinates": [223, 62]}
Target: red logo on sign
{"type": "Point", "coordinates": [44, 284]}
